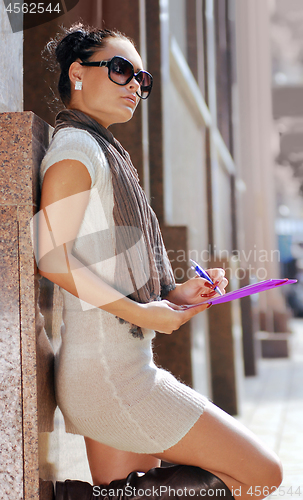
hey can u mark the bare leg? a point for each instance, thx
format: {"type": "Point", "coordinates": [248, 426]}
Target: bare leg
{"type": "Point", "coordinates": [108, 464]}
{"type": "Point", "coordinates": [221, 445]}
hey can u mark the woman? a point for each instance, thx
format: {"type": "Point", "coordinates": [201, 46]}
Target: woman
{"type": "Point", "coordinates": [100, 242]}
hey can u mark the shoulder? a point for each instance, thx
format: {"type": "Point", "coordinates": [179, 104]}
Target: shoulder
{"type": "Point", "coordinates": [75, 144]}
{"type": "Point", "coordinates": [73, 136]}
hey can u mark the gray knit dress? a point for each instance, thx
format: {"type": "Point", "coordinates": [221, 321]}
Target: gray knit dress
{"type": "Point", "coordinates": [107, 385]}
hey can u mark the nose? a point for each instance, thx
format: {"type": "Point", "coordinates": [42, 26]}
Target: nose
{"type": "Point", "coordinates": [134, 85]}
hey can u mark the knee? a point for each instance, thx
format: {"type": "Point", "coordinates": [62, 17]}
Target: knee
{"type": "Point", "coordinates": [277, 473]}
{"type": "Point", "coordinates": [272, 474]}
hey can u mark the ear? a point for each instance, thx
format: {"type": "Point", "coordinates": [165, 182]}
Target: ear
{"type": "Point", "coordinates": [75, 73]}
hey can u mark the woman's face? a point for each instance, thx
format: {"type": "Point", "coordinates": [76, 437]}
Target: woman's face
{"type": "Point", "coordinates": [101, 98]}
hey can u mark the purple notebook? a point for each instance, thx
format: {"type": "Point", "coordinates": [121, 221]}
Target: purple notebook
{"type": "Point", "coordinates": [248, 290]}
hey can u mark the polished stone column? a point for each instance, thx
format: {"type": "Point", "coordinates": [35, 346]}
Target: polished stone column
{"type": "Point", "coordinates": [255, 155]}
{"type": "Point", "coordinates": [221, 347]}
{"type": "Point", "coordinates": [172, 352]}
{"type": "Point", "coordinates": [34, 446]}
{"type": "Point", "coordinates": [250, 326]}
{"type": "Point", "coordinates": [23, 139]}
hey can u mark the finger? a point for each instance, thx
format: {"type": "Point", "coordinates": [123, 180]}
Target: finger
{"type": "Point", "coordinates": [222, 284]}
{"type": "Point", "coordinates": [203, 282]}
{"type": "Point", "coordinates": [216, 273]}
{"type": "Point", "coordinates": [218, 281]}
{"type": "Point", "coordinates": [206, 289]}
{"type": "Point", "coordinates": [218, 285]}
{"type": "Point", "coordinates": [189, 313]}
{"type": "Point", "coordinates": [208, 295]}
{"type": "Point", "coordinates": [208, 285]}
{"type": "Point", "coordinates": [173, 306]}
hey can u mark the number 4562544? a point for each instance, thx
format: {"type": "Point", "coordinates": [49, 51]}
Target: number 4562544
{"type": "Point", "coordinates": [32, 8]}
{"type": "Point", "coordinates": [274, 492]}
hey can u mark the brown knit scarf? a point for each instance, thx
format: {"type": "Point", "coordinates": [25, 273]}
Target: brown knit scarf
{"type": "Point", "coordinates": [133, 217]}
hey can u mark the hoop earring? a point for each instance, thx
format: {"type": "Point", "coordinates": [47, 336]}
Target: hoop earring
{"type": "Point", "coordinates": [78, 85]}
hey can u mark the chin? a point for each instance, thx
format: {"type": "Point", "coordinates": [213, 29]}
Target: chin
{"type": "Point", "coordinates": [125, 117]}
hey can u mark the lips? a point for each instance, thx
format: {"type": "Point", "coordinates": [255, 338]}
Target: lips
{"type": "Point", "coordinates": [130, 98]}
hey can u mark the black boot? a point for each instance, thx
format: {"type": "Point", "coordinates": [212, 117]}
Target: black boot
{"type": "Point", "coordinates": [73, 490]}
{"type": "Point", "coordinates": [161, 483]}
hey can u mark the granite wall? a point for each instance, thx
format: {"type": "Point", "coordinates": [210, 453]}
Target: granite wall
{"type": "Point", "coordinates": [35, 450]}
{"type": "Point", "coordinates": [22, 140]}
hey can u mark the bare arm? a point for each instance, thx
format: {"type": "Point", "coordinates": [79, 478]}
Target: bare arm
{"type": "Point", "coordinates": [64, 198]}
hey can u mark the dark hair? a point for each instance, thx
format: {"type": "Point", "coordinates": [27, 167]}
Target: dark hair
{"type": "Point", "coordinates": [77, 42]}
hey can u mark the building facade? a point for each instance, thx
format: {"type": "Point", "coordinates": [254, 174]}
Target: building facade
{"type": "Point", "coordinates": [202, 147]}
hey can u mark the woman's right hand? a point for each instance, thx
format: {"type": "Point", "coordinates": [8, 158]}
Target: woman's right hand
{"type": "Point", "coordinates": [166, 317]}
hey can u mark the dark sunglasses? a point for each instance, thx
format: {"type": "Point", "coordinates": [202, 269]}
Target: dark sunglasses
{"type": "Point", "coordinates": [121, 72]}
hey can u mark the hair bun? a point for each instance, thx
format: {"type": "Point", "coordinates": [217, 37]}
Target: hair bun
{"type": "Point", "coordinates": [71, 46]}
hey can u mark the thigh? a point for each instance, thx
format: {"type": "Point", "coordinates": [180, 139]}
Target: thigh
{"type": "Point", "coordinates": [108, 464]}
{"type": "Point", "coordinates": [220, 444]}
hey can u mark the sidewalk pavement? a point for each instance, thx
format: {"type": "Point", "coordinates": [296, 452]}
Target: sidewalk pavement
{"type": "Point", "coordinates": [271, 405]}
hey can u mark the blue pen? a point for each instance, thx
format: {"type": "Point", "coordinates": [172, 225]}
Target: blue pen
{"type": "Point", "coordinates": [203, 274]}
